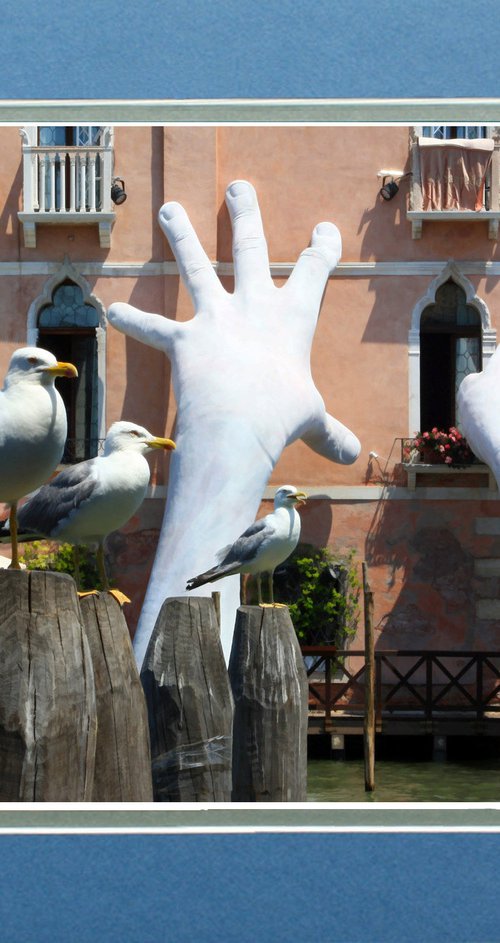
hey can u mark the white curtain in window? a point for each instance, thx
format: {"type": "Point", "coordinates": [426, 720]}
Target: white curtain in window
{"type": "Point", "coordinates": [453, 173]}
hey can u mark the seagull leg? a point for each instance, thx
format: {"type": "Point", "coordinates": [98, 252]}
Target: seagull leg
{"type": "Point", "coordinates": [76, 565]}
{"type": "Point", "coordinates": [101, 566]}
{"type": "Point", "coordinates": [263, 605]}
{"type": "Point", "coordinates": [76, 575]}
{"type": "Point", "coordinates": [272, 604]}
{"type": "Point", "coordinates": [14, 565]}
{"type": "Point", "coordinates": [120, 597]}
{"type": "Point", "coordinates": [259, 590]}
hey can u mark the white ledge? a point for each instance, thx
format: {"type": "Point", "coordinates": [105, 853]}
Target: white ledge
{"type": "Point", "coordinates": [417, 218]}
{"type": "Point", "coordinates": [420, 468]}
{"type": "Point", "coordinates": [104, 221]}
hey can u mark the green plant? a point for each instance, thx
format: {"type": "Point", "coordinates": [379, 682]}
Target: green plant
{"type": "Point", "coordinates": [322, 592]}
{"type": "Point", "coordinates": [447, 446]}
{"type": "Point", "coordinates": [60, 558]}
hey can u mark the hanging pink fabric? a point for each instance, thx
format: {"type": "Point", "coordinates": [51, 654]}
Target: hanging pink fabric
{"type": "Point", "coordinates": [453, 173]}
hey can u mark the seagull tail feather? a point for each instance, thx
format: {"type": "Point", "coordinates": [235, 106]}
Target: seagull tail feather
{"type": "Point", "coordinates": [210, 576]}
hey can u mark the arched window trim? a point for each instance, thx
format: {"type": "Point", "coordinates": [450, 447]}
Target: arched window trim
{"type": "Point", "coordinates": [452, 272]}
{"type": "Point", "coordinates": [67, 271]}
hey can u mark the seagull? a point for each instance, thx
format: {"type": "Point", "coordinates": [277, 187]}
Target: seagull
{"type": "Point", "coordinates": [33, 427]}
{"type": "Point", "coordinates": [85, 502]}
{"type": "Point", "coordinates": [263, 546]}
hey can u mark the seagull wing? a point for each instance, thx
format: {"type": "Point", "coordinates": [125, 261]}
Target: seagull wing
{"type": "Point", "coordinates": [53, 504]}
{"type": "Point", "coordinates": [246, 547]}
{"type": "Point", "coordinates": [233, 558]}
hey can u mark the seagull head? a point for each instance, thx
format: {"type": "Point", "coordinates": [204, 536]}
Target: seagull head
{"type": "Point", "coordinates": [287, 496]}
{"type": "Point", "coordinates": [129, 437]}
{"type": "Point", "coordinates": [35, 365]}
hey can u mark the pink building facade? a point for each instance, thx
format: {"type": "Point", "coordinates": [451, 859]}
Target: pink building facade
{"type": "Point", "coordinates": [413, 305]}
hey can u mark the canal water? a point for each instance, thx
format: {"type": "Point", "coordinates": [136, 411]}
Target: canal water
{"type": "Point", "coordinates": [473, 780]}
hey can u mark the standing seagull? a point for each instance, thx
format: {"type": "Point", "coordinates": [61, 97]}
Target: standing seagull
{"type": "Point", "coordinates": [263, 546]}
{"type": "Point", "coordinates": [33, 427]}
{"type": "Point", "coordinates": [85, 502]}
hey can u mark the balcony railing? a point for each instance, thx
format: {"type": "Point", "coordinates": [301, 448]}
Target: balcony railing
{"type": "Point", "coordinates": [67, 185]}
{"type": "Point", "coordinates": [488, 211]}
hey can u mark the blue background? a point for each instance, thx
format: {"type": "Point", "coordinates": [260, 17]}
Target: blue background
{"type": "Point", "coordinates": [348, 888]}
{"type": "Point", "coordinates": [99, 49]}
{"type": "Point", "coordinates": [250, 889]}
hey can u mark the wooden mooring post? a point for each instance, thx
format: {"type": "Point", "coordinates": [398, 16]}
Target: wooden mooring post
{"type": "Point", "coordinates": [48, 717]}
{"type": "Point", "coordinates": [123, 756]}
{"type": "Point", "coordinates": [369, 721]}
{"type": "Point", "coordinates": [270, 691]}
{"type": "Point", "coordinates": [190, 705]}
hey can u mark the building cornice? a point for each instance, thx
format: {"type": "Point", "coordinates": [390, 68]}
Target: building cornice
{"type": "Point", "coordinates": [226, 269]}
{"type": "Point", "coordinates": [254, 111]}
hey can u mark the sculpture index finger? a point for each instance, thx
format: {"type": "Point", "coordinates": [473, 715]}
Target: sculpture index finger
{"type": "Point", "coordinates": [195, 267]}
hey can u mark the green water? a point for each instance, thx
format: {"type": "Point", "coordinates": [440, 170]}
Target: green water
{"type": "Point", "coordinates": [397, 781]}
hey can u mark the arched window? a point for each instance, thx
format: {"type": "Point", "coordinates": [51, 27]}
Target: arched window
{"type": "Point", "coordinates": [450, 348]}
{"type": "Point", "coordinates": [67, 326]}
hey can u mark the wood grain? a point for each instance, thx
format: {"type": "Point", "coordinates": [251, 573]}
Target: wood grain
{"type": "Point", "coordinates": [123, 756]}
{"type": "Point", "coordinates": [190, 706]}
{"type": "Point", "coordinates": [270, 691]}
{"type": "Point", "coordinates": [48, 715]}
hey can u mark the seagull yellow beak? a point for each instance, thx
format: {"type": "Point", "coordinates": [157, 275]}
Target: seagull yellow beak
{"type": "Point", "coordinates": [300, 497]}
{"type": "Point", "coordinates": [158, 443]}
{"type": "Point", "coordinates": [62, 369]}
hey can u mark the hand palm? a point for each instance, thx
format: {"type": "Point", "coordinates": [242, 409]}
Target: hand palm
{"type": "Point", "coordinates": [242, 382]}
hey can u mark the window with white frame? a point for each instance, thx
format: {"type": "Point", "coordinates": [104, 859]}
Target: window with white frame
{"type": "Point", "coordinates": [70, 168]}
{"type": "Point", "coordinates": [451, 335]}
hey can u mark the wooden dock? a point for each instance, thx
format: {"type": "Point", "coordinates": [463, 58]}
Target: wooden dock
{"type": "Point", "coordinates": [417, 692]}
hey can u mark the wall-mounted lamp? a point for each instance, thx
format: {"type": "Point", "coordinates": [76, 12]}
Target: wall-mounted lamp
{"type": "Point", "coordinates": [388, 190]}
{"type": "Point", "coordinates": [118, 194]}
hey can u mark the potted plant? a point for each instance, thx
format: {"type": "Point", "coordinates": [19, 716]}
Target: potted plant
{"type": "Point", "coordinates": [443, 447]}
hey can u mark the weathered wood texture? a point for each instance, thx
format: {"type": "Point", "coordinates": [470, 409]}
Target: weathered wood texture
{"type": "Point", "coordinates": [123, 756]}
{"type": "Point", "coordinates": [47, 697]}
{"type": "Point", "coordinates": [190, 706]}
{"type": "Point", "coordinates": [270, 691]}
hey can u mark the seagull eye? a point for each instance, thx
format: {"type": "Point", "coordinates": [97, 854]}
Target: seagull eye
{"type": "Point", "coordinates": [33, 360]}
{"type": "Point", "coordinates": [134, 432]}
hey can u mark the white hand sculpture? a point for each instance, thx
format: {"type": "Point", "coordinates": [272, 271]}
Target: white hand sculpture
{"type": "Point", "coordinates": [478, 403]}
{"type": "Point", "coordinates": [242, 381]}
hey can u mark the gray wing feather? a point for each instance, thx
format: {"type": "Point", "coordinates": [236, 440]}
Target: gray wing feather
{"type": "Point", "coordinates": [232, 557]}
{"type": "Point", "coordinates": [53, 503]}
{"type": "Point", "coordinates": [246, 546]}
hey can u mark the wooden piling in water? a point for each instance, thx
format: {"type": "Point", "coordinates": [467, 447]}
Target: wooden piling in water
{"type": "Point", "coordinates": [47, 696]}
{"type": "Point", "coordinates": [369, 721]}
{"type": "Point", "coordinates": [270, 691]}
{"type": "Point", "coordinates": [123, 756]}
{"type": "Point", "coordinates": [190, 706]}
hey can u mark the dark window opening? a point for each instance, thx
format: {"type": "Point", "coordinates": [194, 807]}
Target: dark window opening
{"type": "Point", "coordinates": [450, 349]}
{"type": "Point", "coordinates": [67, 328]}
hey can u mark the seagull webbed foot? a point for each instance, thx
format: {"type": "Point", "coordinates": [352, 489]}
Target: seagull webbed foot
{"type": "Point", "coordinates": [120, 597]}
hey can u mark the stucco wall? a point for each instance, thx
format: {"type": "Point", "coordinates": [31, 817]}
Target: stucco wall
{"type": "Point", "coordinates": [422, 553]}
